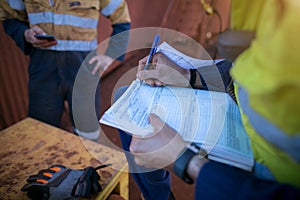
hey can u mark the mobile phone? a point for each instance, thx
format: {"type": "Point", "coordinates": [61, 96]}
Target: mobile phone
{"type": "Point", "coordinates": [45, 37]}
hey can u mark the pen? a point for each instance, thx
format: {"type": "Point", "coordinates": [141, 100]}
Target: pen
{"type": "Point", "coordinates": [152, 51]}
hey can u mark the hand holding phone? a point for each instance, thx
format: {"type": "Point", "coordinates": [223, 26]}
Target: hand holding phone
{"type": "Point", "coordinates": [37, 37]}
{"type": "Point", "coordinates": [45, 37]}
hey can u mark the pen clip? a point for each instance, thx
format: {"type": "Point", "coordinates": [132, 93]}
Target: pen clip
{"type": "Point", "coordinates": [152, 51]}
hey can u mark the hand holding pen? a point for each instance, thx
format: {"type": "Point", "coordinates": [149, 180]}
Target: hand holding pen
{"type": "Point", "coordinates": [166, 72]}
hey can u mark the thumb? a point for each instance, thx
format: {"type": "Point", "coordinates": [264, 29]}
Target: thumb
{"type": "Point", "coordinates": [156, 123]}
{"type": "Point", "coordinates": [38, 30]}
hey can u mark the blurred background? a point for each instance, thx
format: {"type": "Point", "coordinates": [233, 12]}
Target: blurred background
{"type": "Point", "coordinates": [185, 16]}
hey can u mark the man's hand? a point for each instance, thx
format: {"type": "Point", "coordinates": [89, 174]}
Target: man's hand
{"type": "Point", "coordinates": [102, 63]}
{"type": "Point", "coordinates": [30, 38]}
{"type": "Point", "coordinates": [163, 72]}
{"type": "Point", "coordinates": [160, 149]}
{"type": "Point", "coordinates": [163, 148]}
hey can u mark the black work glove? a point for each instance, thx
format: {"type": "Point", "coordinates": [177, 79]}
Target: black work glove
{"type": "Point", "coordinates": [58, 183]}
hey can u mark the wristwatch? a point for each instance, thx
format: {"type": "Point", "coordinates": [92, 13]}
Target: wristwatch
{"type": "Point", "coordinates": [181, 164]}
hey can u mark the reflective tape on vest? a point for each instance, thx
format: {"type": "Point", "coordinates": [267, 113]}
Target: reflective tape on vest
{"type": "Point", "coordinates": [74, 45]}
{"type": "Point", "coordinates": [274, 135]}
{"type": "Point", "coordinates": [16, 4]}
{"type": "Point", "coordinates": [111, 7]}
{"type": "Point", "coordinates": [62, 19]}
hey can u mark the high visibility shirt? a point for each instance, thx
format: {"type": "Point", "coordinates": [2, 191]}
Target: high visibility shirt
{"type": "Point", "coordinates": [73, 22]}
{"type": "Point", "coordinates": [268, 91]}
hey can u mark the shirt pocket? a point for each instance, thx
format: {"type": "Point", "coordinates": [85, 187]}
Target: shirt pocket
{"type": "Point", "coordinates": [82, 4]}
{"type": "Point", "coordinates": [83, 8]}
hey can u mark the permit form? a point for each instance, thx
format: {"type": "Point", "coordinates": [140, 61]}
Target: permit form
{"type": "Point", "coordinates": [210, 119]}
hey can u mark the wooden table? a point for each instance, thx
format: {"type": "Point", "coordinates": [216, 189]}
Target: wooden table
{"type": "Point", "coordinates": [30, 145]}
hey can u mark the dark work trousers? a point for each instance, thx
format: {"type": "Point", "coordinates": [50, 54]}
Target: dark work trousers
{"type": "Point", "coordinates": [51, 79]}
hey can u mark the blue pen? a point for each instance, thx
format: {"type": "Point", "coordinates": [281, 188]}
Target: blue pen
{"type": "Point", "coordinates": [152, 51]}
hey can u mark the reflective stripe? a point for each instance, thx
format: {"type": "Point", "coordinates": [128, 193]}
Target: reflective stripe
{"type": "Point", "coordinates": [74, 45]}
{"type": "Point", "coordinates": [289, 144]}
{"type": "Point", "coordinates": [62, 19]}
{"type": "Point", "coordinates": [111, 7]}
{"type": "Point", "coordinates": [16, 4]}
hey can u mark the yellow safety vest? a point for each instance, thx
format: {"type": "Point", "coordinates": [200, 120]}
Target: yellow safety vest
{"type": "Point", "coordinates": [72, 22]}
{"type": "Point", "coordinates": [268, 81]}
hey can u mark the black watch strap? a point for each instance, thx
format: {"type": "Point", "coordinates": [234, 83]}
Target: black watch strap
{"type": "Point", "coordinates": [181, 164]}
{"type": "Point", "coordinates": [193, 77]}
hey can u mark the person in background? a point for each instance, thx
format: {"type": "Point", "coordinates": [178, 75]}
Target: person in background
{"type": "Point", "coordinates": [267, 89]}
{"type": "Point", "coordinates": [54, 63]}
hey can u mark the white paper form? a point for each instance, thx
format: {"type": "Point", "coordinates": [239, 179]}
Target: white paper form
{"type": "Point", "coordinates": [210, 119]}
{"type": "Point", "coordinates": [199, 116]}
{"type": "Point", "coordinates": [183, 60]}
